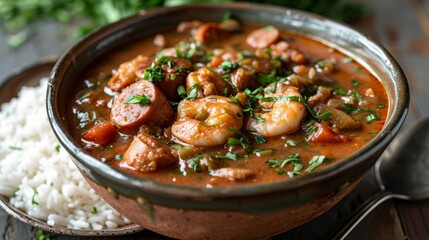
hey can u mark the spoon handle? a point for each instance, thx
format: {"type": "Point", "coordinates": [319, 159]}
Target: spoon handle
{"type": "Point", "coordinates": [361, 213]}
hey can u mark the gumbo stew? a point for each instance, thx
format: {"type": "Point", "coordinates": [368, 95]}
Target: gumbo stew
{"type": "Point", "coordinates": [214, 104]}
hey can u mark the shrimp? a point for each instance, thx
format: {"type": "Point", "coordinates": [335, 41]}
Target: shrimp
{"type": "Point", "coordinates": [207, 83]}
{"type": "Point", "coordinates": [281, 116]}
{"type": "Point", "coordinates": [207, 121]}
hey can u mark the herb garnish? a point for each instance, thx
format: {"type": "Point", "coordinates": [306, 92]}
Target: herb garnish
{"type": "Point", "coordinates": [291, 143]}
{"type": "Point", "coordinates": [251, 105]}
{"type": "Point", "coordinates": [193, 91]}
{"type": "Point", "coordinates": [228, 155]}
{"type": "Point", "coordinates": [381, 105]}
{"type": "Point", "coordinates": [57, 148]}
{"type": "Point", "coordinates": [339, 91]}
{"type": "Point", "coordinates": [15, 148]}
{"type": "Point", "coordinates": [372, 116]}
{"type": "Point", "coordinates": [194, 163]}
{"type": "Point", "coordinates": [316, 161]}
{"type": "Point", "coordinates": [154, 73]}
{"type": "Point", "coordinates": [83, 97]}
{"type": "Point", "coordinates": [240, 141]}
{"type": "Point", "coordinates": [118, 157]}
{"type": "Point", "coordinates": [279, 164]}
{"type": "Point", "coordinates": [265, 80]}
{"type": "Point", "coordinates": [228, 66]}
{"type": "Point", "coordinates": [40, 235]}
{"type": "Point", "coordinates": [211, 123]}
{"type": "Point", "coordinates": [33, 198]}
{"type": "Point", "coordinates": [358, 69]}
{"type": "Point", "coordinates": [181, 91]}
{"type": "Point", "coordinates": [347, 60]}
{"type": "Point", "coordinates": [177, 147]}
{"type": "Point", "coordinates": [163, 59]}
{"type": "Point", "coordinates": [138, 99]}
{"type": "Point", "coordinates": [258, 138]}
{"type": "Point", "coordinates": [226, 16]}
{"type": "Point", "coordinates": [94, 210]}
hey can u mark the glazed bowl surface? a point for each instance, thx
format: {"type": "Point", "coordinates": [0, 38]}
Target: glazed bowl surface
{"type": "Point", "coordinates": [235, 212]}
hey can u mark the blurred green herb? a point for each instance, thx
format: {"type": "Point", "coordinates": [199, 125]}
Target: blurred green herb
{"type": "Point", "coordinates": [41, 235]}
{"type": "Point", "coordinates": [18, 17]}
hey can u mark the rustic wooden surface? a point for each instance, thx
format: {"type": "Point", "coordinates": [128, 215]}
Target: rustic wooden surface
{"type": "Point", "coordinates": [401, 26]}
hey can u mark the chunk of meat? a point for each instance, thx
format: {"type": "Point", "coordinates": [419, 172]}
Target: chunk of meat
{"type": "Point", "coordinates": [263, 37]}
{"type": "Point", "coordinates": [322, 95]}
{"type": "Point", "coordinates": [243, 79]}
{"type": "Point", "coordinates": [101, 133]}
{"type": "Point", "coordinates": [207, 83]}
{"type": "Point", "coordinates": [146, 153]}
{"type": "Point", "coordinates": [209, 33]}
{"type": "Point", "coordinates": [234, 174]}
{"type": "Point", "coordinates": [126, 74]}
{"type": "Point", "coordinates": [130, 116]}
{"type": "Point", "coordinates": [172, 74]}
{"type": "Point", "coordinates": [245, 76]}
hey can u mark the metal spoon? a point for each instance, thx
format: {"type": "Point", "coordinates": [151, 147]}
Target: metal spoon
{"type": "Point", "coordinates": [402, 172]}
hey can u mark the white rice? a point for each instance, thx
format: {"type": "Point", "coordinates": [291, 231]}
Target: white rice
{"type": "Point", "coordinates": [38, 174]}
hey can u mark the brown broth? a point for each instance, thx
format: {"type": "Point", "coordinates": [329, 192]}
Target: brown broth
{"type": "Point", "coordinates": [345, 74]}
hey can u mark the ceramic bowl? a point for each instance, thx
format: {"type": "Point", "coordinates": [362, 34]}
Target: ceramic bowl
{"type": "Point", "coordinates": [236, 212]}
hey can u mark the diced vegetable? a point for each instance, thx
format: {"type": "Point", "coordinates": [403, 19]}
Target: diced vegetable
{"type": "Point", "coordinates": [338, 117]}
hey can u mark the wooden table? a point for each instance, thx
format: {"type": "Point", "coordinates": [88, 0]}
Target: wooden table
{"type": "Point", "coordinates": [401, 26]}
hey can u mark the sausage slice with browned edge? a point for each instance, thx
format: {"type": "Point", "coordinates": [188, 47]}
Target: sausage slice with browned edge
{"type": "Point", "coordinates": [141, 103]}
{"type": "Point", "coordinates": [263, 37]}
{"type": "Point", "coordinates": [146, 153]}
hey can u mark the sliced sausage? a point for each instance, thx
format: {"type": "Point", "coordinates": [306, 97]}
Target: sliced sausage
{"type": "Point", "coordinates": [101, 133]}
{"type": "Point", "coordinates": [130, 116]}
{"type": "Point", "coordinates": [126, 73]}
{"type": "Point", "coordinates": [146, 153]}
{"type": "Point", "coordinates": [173, 74]}
{"type": "Point", "coordinates": [209, 33]}
{"type": "Point", "coordinates": [263, 37]}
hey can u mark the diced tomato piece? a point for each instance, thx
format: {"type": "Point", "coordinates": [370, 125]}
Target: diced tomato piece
{"type": "Point", "coordinates": [101, 133]}
{"type": "Point", "coordinates": [326, 134]}
{"type": "Point", "coordinates": [216, 61]}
